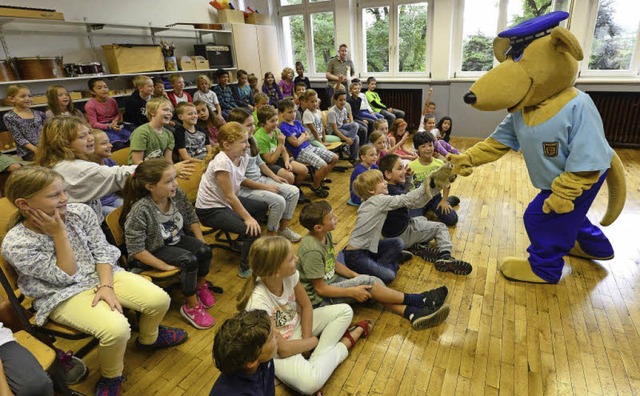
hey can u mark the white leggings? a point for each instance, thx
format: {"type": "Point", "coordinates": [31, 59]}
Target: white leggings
{"type": "Point", "coordinates": [308, 376]}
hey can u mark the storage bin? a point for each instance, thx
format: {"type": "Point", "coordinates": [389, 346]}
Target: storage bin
{"type": "Point", "coordinates": [186, 63]}
{"type": "Point", "coordinates": [230, 16]}
{"type": "Point", "coordinates": [200, 62]}
{"type": "Point", "coordinates": [133, 58]}
{"type": "Point", "coordinates": [257, 19]}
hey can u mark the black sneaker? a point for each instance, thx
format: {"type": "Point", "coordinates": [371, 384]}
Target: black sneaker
{"type": "Point", "coordinates": [425, 252]}
{"type": "Point", "coordinates": [73, 368]}
{"type": "Point", "coordinates": [405, 256]}
{"type": "Point", "coordinates": [427, 317]}
{"type": "Point", "coordinates": [456, 266]}
{"type": "Point", "coordinates": [453, 201]}
{"type": "Point", "coordinates": [435, 298]}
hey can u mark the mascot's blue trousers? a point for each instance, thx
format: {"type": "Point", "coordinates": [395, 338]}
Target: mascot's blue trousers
{"type": "Point", "coordinates": [553, 235]}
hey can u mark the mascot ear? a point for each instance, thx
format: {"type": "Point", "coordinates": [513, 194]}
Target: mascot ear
{"type": "Point", "coordinates": [564, 41]}
{"type": "Point", "coordinates": [500, 46]}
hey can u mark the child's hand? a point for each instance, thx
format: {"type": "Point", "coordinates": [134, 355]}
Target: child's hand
{"type": "Point", "coordinates": [430, 91]}
{"type": "Point", "coordinates": [404, 137]}
{"type": "Point", "coordinates": [390, 109]}
{"type": "Point", "coordinates": [185, 169]}
{"type": "Point", "coordinates": [281, 138]}
{"type": "Point", "coordinates": [409, 171]}
{"type": "Point", "coordinates": [287, 165]}
{"type": "Point", "coordinates": [348, 141]}
{"type": "Point", "coordinates": [361, 293]}
{"type": "Point", "coordinates": [444, 207]}
{"type": "Point", "coordinates": [253, 228]}
{"type": "Point", "coordinates": [107, 295]}
{"type": "Point", "coordinates": [280, 179]}
{"type": "Point", "coordinates": [50, 225]}
{"type": "Point", "coordinates": [274, 189]}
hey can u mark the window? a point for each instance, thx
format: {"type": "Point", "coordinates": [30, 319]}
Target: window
{"type": "Point", "coordinates": [395, 37]}
{"type": "Point", "coordinates": [481, 20]}
{"type": "Point", "coordinates": [308, 34]}
{"type": "Point", "coordinates": [615, 39]}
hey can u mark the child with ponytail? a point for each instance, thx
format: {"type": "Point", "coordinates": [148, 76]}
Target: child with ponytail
{"type": "Point", "coordinates": [218, 204]}
{"type": "Point", "coordinates": [157, 219]}
{"type": "Point", "coordinates": [274, 287]}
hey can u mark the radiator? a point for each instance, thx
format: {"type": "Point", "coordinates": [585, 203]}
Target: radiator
{"type": "Point", "coordinates": [620, 112]}
{"type": "Point", "coordinates": [407, 100]}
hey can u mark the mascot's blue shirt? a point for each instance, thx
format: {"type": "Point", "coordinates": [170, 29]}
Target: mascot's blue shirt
{"type": "Point", "coordinates": [572, 140]}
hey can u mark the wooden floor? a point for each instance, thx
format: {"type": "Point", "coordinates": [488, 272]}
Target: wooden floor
{"type": "Point", "coordinates": [579, 337]}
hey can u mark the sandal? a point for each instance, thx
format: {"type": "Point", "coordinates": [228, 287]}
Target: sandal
{"type": "Point", "coordinates": [365, 325]}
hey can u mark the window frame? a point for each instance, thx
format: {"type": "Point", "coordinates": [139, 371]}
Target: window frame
{"type": "Point", "coordinates": [394, 39]}
{"type": "Point", "coordinates": [306, 9]}
{"type": "Point", "coordinates": [456, 71]}
{"type": "Point", "coordinates": [584, 71]}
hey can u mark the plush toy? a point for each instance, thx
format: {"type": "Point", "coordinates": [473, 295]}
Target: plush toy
{"type": "Point", "coordinates": [560, 133]}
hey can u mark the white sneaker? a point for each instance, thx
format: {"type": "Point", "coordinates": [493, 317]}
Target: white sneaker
{"type": "Point", "coordinates": [290, 234]}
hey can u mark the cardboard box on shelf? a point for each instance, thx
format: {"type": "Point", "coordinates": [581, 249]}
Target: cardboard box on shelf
{"type": "Point", "coordinates": [186, 63]}
{"type": "Point", "coordinates": [230, 16]}
{"type": "Point", "coordinates": [257, 19]}
{"type": "Point", "coordinates": [133, 58]}
{"type": "Point", "coordinates": [200, 62]}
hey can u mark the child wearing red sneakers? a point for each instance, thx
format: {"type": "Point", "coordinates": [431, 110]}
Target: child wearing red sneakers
{"type": "Point", "coordinates": [157, 218]}
{"type": "Point", "coordinates": [65, 264]}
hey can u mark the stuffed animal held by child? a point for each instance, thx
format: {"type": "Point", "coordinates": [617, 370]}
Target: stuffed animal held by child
{"type": "Point", "coordinates": [560, 132]}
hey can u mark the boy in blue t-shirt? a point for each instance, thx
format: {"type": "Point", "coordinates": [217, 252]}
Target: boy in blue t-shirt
{"type": "Point", "coordinates": [243, 351]}
{"type": "Point", "coordinates": [297, 142]}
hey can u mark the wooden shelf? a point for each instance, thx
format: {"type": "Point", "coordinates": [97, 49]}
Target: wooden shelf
{"type": "Point", "coordinates": [111, 76]}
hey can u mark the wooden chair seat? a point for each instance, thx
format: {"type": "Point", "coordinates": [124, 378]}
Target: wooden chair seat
{"type": "Point", "coordinates": [121, 157]}
{"type": "Point", "coordinates": [43, 353]}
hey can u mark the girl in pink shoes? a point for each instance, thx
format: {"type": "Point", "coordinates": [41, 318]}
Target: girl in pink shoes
{"type": "Point", "coordinates": [65, 264]}
{"type": "Point", "coordinates": [157, 219]}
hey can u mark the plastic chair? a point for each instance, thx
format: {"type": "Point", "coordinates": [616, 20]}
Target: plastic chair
{"type": "Point", "coordinates": [121, 157]}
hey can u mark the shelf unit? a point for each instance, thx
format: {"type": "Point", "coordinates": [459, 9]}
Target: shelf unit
{"type": "Point", "coordinates": [92, 30]}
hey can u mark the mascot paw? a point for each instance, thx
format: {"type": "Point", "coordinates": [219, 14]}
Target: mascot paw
{"type": "Point", "coordinates": [556, 204]}
{"type": "Point", "coordinates": [519, 270]}
{"type": "Point", "coordinates": [577, 251]}
{"type": "Point", "coordinates": [461, 164]}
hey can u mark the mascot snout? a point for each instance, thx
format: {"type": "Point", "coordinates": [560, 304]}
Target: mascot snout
{"type": "Point", "coordinates": [505, 92]}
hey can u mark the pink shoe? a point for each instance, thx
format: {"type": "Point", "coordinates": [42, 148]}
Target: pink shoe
{"type": "Point", "coordinates": [206, 297]}
{"type": "Point", "coordinates": [197, 316]}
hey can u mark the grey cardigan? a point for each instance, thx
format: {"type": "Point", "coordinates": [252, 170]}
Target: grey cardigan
{"type": "Point", "coordinates": [142, 228]}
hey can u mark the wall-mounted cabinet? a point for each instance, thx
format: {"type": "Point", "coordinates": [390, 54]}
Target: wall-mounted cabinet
{"type": "Point", "coordinates": [256, 49]}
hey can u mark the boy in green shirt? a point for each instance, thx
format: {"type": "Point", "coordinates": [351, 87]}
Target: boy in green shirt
{"type": "Point", "coordinates": [389, 113]}
{"type": "Point", "coordinates": [153, 140]}
{"type": "Point", "coordinates": [328, 281]}
{"type": "Point", "coordinates": [441, 204]}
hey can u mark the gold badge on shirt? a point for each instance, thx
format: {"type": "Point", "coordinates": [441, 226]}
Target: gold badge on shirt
{"type": "Point", "coordinates": [550, 149]}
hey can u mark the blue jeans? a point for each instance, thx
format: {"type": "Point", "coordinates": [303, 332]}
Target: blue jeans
{"type": "Point", "coordinates": [383, 265]}
{"type": "Point", "coordinates": [449, 219]}
{"type": "Point", "coordinates": [351, 130]}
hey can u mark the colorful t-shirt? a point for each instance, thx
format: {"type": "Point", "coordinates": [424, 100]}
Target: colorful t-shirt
{"type": "Point", "coordinates": [194, 142]}
{"type": "Point", "coordinates": [421, 171]}
{"type": "Point", "coordinates": [153, 144]}
{"type": "Point", "coordinates": [316, 261]}
{"type": "Point", "coordinates": [295, 131]}
{"type": "Point", "coordinates": [266, 143]}
{"type": "Point", "coordinates": [283, 309]}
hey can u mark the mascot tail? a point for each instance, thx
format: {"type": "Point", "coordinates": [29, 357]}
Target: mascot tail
{"type": "Point", "coordinates": [617, 187]}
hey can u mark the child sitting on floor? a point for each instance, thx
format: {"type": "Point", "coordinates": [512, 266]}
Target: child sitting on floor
{"type": "Point", "coordinates": [441, 204]}
{"type": "Point", "coordinates": [366, 253]}
{"type": "Point", "coordinates": [368, 158]}
{"type": "Point", "coordinates": [243, 350]}
{"type": "Point", "coordinates": [416, 232]}
{"type": "Point", "coordinates": [323, 332]}
{"type": "Point", "coordinates": [441, 147]}
{"type": "Point", "coordinates": [327, 281]}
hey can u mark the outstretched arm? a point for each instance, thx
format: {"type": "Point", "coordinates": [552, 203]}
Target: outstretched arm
{"type": "Point", "coordinates": [482, 153]}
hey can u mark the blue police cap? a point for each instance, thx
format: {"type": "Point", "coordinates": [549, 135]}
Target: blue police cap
{"type": "Point", "coordinates": [525, 32]}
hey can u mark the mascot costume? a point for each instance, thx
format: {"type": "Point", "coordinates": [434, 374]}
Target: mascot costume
{"type": "Point", "coordinates": [560, 133]}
